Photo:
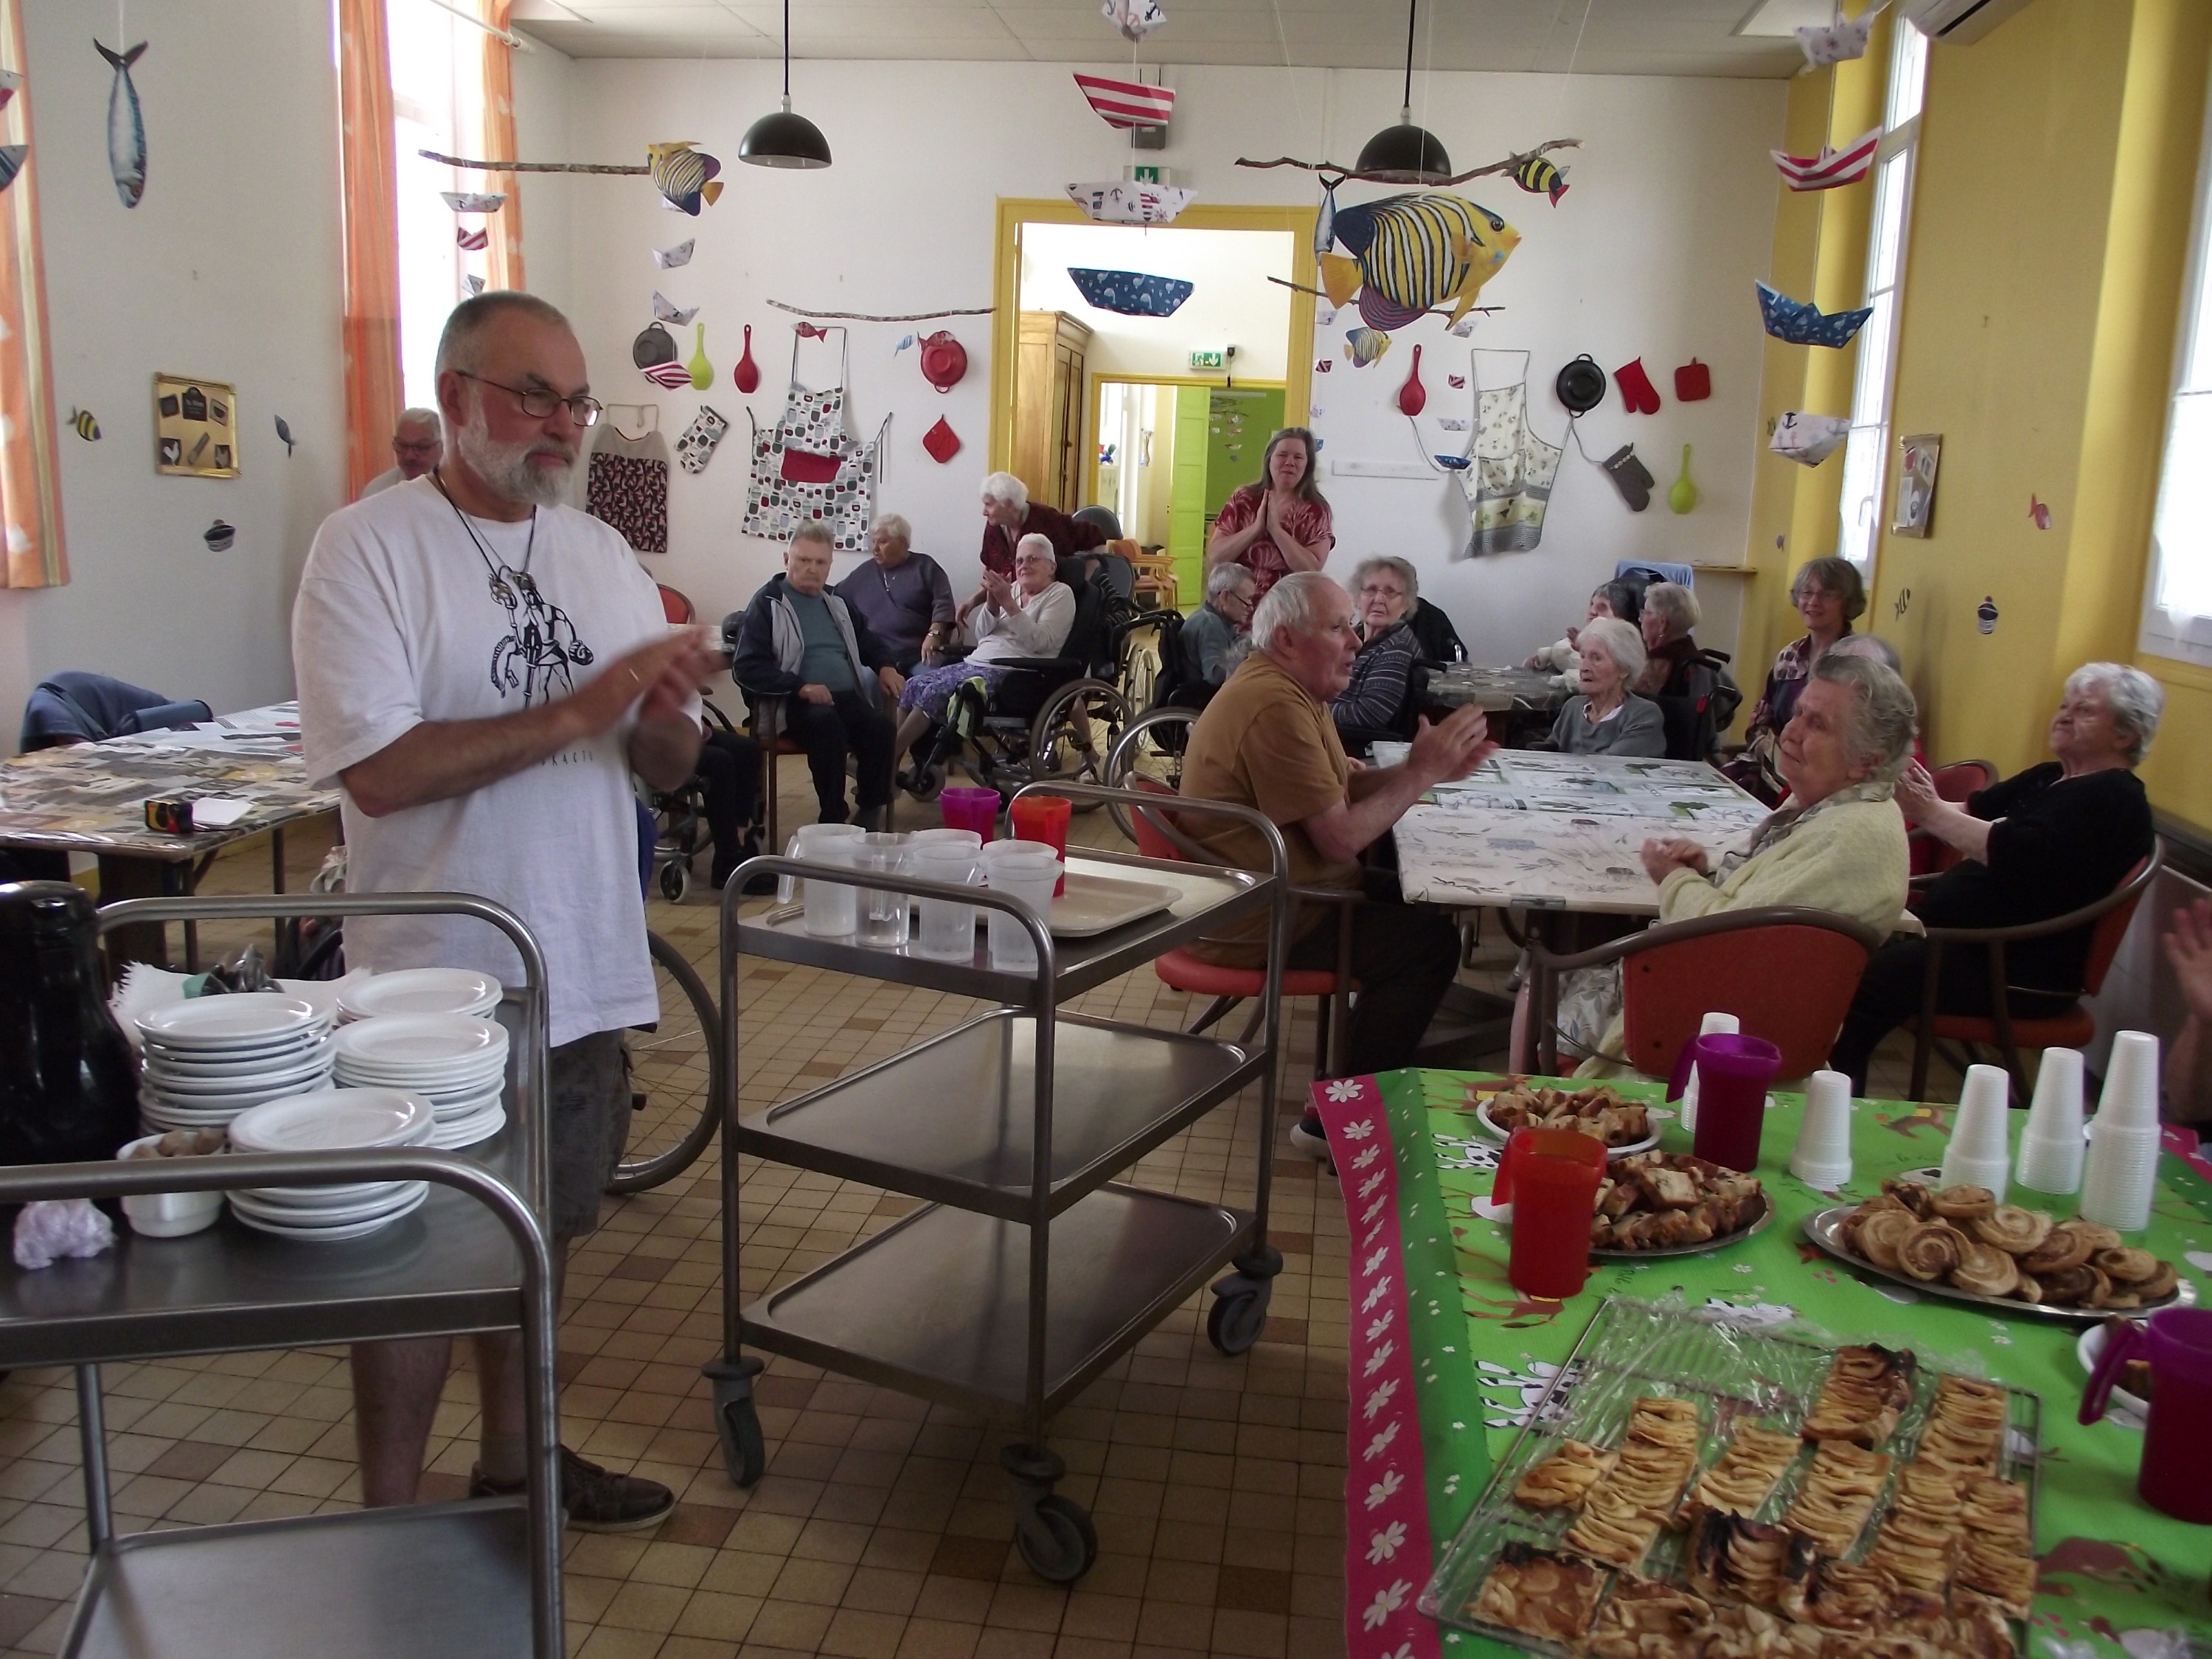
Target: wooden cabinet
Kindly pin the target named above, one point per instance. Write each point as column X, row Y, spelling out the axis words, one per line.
column 1051, row 403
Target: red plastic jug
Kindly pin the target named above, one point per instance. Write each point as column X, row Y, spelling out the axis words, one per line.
column 1734, row 1074
column 2175, row 1478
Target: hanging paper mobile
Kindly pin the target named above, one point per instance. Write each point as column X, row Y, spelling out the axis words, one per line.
column 1407, row 253
column 746, row 376
column 1832, row 167
column 476, row 285
column 1134, row 19
column 1412, row 397
column 284, row 437
column 942, row 442
column 668, row 259
column 684, row 175
column 1840, row 39
column 1809, row 440
column 1365, row 345
column 12, row 157
column 1126, row 104
column 1802, row 323
column 472, row 241
column 1131, row 293
column 1539, row 177
column 701, row 371
column 464, row 201
column 126, row 127
column 82, row 422
column 665, row 313
column 1117, row 202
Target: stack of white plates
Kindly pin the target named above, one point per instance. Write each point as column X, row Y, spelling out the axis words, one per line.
column 331, row 1120
column 456, row 1062
column 209, row 1058
column 420, row 991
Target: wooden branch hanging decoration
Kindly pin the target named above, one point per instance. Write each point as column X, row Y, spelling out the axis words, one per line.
column 1319, row 294
column 872, row 317
column 532, row 167
column 1342, row 173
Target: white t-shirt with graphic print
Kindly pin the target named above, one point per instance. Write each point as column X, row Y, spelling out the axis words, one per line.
column 399, row 620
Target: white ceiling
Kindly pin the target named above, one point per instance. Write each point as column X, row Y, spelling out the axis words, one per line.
column 1596, row 37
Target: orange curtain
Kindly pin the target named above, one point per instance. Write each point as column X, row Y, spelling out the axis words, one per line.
column 370, row 203
column 30, row 490
column 504, row 253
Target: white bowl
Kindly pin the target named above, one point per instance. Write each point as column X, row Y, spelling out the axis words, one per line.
column 169, row 1215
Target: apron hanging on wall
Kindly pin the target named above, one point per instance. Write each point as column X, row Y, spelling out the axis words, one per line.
column 1508, row 486
column 808, row 469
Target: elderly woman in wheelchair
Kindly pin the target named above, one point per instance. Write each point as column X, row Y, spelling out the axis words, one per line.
column 1027, row 617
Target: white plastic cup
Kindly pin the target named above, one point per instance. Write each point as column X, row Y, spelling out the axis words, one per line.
column 1030, row 879
column 831, row 909
column 2122, row 1173
column 2130, row 1098
column 1979, row 1153
column 2050, row 1145
column 882, row 916
column 1822, row 1160
column 1711, row 1026
column 945, row 931
column 786, row 887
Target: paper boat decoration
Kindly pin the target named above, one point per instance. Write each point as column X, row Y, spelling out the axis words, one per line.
column 1809, row 440
column 1131, row 293
column 462, row 200
column 1800, row 323
column 12, row 157
column 668, row 259
column 1125, row 104
column 1832, row 167
column 1117, row 202
column 665, row 313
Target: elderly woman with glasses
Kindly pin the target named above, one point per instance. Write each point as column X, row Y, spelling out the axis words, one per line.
column 1029, row 617
column 1606, row 718
column 1385, row 591
column 1829, row 595
column 2054, row 838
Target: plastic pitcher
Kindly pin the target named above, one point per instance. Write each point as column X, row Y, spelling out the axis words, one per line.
column 1734, row 1074
column 965, row 808
column 1551, row 1177
column 2175, row 1478
column 1043, row 818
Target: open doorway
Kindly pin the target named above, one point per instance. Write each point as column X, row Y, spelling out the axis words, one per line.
column 1168, row 453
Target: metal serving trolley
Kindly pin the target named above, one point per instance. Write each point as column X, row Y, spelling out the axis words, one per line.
column 1011, row 1125
column 455, row 1581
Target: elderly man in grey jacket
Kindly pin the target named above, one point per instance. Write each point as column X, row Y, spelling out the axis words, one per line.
column 799, row 642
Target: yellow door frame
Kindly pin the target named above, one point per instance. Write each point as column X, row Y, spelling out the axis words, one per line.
column 1015, row 211
column 1212, row 382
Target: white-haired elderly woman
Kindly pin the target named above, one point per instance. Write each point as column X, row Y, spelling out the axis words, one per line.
column 1377, row 704
column 904, row 596
column 1605, row 717
column 1835, row 843
column 1009, row 514
column 1028, row 617
column 2045, row 841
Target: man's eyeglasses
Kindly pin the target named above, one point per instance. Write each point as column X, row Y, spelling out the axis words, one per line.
column 539, row 403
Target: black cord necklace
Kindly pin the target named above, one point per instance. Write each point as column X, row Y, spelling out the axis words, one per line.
column 500, row 591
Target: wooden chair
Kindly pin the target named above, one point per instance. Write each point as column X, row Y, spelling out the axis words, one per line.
column 1158, row 836
column 2072, row 1028
column 1787, row 973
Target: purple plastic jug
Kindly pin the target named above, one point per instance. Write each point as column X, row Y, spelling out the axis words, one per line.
column 1734, row 1074
column 2175, row 1478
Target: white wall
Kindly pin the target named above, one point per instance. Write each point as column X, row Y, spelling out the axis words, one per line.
column 1653, row 251
column 1231, row 301
column 228, row 268
column 544, row 85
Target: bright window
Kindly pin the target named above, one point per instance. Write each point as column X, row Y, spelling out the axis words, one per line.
column 2178, row 598
column 1866, row 453
column 437, row 103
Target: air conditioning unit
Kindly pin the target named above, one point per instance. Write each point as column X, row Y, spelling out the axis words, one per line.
column 1957, row 22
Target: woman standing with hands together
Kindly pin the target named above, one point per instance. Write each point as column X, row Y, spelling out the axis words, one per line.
column 1279, row 523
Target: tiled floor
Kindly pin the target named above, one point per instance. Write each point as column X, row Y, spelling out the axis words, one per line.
column 881, row 1530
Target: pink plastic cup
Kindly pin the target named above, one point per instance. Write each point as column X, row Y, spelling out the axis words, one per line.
column 972, row 809
column 1734, row 1074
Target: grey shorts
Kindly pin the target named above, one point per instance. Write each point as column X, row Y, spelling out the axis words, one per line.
column 587, row 1098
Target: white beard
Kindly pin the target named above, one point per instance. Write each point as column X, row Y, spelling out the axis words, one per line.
column 506, row 469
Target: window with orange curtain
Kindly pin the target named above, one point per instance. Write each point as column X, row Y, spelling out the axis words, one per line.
column 369, row 217
column 30, row 490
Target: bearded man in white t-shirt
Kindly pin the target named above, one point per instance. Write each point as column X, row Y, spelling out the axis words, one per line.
column 482, row 669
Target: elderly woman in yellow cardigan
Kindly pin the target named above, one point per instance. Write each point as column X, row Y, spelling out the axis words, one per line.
column 1837, row 843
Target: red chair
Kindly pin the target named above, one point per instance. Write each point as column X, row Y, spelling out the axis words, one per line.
column 676, row 606
column 1158, row 837
column 1954, row 782
column 1786, row 972
column 2073, row 1028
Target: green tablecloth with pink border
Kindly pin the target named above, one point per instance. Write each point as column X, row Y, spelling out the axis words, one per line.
column 1446, row 1359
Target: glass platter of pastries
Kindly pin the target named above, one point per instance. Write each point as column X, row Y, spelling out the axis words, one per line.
column 1625, row 1126
column 1958, row 1243
column 1693, row 1485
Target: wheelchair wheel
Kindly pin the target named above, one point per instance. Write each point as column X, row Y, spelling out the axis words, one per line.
column 1074, row 732
column 1151, row 746
column 675, row 1076
column 1140, row 667
column 675, row 880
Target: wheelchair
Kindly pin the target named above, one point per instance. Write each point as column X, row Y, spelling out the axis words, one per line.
column 679, row 822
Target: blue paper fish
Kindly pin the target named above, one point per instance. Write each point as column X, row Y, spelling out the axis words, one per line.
column 1365, row 345
column 1413, row 252
column 1131, row 292
column 12, row 157
column 1539, row 177
column 683, row 175
column 1800, row 323
column 126, row 127
column 284, row 434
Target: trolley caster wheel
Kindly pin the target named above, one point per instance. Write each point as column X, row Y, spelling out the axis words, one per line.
column 1239, row 1313
column 675, row 881
column 1056, row 1538
column 737, row 1419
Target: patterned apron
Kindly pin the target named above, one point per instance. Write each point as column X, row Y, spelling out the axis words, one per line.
column 1508, row 486
column 808, row 469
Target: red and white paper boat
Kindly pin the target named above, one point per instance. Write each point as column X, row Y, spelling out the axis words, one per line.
column 1831, row 167
column 1128, row 103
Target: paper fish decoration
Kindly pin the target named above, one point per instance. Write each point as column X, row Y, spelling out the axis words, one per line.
column 1125, row 104
column 126, row 126
column 284, row 437
column 1800, row 323
column 1809, row 440
column 1117, row 201
column 85, row 427
column 809, row 330
column 2039, row 512
column 1365, row 345
column 12, row 157
column 684, row 175
column 472, row 201
column 1133, row 20
column 1832, row 167
column 1838, row 42
column 672, row 375
column 1131, row 293
column 668, row 259
column 701, row 371
column 9, row 80
column 219, row 536
column 746, row 376
column 1413, row 252
column 906, row 343
column 1903, row 602
column 1539, row 177
column 665, row 313
column 472, row 241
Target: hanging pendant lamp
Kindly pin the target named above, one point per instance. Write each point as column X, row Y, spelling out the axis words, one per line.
column 784, row 139
column 1405, row 153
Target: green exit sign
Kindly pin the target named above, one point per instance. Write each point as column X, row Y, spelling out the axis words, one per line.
column 1148, row 172
column 1205, row 360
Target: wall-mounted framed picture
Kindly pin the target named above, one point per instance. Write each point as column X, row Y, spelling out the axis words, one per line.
column 1917, row 460
column 195, row 428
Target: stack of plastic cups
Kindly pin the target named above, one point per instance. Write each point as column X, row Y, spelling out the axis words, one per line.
column 1978, row 1154
column 2051, row 1146
column 1822, row 1158
column 1711, row 1025
column 831, row 911
column 944, row 932
column 2123, row 1167
column 1023, row 870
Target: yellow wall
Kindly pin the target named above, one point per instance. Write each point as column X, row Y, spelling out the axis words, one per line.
column 2051, row 217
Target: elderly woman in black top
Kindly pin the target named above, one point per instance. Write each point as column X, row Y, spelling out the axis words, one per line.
column 2051, row 839
column 1375, row 704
